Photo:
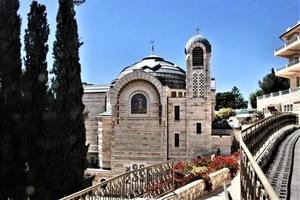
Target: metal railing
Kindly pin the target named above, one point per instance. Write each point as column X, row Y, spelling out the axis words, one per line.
column 152, row 181
column 254, row 183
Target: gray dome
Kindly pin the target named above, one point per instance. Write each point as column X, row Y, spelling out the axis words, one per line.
column 195, row 39
column 168, row 73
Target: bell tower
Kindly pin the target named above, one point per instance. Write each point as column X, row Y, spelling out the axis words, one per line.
column 198, row 99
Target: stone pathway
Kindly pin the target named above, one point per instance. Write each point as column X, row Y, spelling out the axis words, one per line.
column 295, row 182
column 279, row 171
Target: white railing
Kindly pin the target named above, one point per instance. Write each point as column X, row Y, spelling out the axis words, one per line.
column 280, row 93
column 288, row 42
column 291, row 63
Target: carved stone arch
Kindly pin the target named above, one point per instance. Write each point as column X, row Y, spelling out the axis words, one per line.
column 197, row 44
column 136, row 75
column 206, row 57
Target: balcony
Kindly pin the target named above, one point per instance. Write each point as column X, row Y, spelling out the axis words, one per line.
column 289, row 70
column 291, row 47
column 279, row 100
column 290, row 91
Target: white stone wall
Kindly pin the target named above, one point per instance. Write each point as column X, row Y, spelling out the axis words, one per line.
column 223, row 142
column 177, row 153
column 293, row 82
column 137, row 139
column 104, row 141
column 292, row 98
column 199, row 109
column 141, row 139
column 94, row 105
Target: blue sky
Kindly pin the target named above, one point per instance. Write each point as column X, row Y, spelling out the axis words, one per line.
column 117, row 33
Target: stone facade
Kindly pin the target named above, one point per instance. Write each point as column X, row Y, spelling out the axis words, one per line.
column 155, row 111
column 94, row 99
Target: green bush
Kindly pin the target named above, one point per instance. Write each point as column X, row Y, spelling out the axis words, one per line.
column 224, row 113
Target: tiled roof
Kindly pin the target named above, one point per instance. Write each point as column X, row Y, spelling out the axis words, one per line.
column 167, row 72
column 91, row 88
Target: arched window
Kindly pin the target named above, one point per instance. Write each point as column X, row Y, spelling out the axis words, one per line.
column 138, row 104
column 197, row 56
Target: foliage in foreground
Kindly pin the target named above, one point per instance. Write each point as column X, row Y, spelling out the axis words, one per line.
column 224, row 113
column 68, row 136
column 12, row 181
column 36, row 103
column 187, row 172
column 232, row 99
column 269, row 84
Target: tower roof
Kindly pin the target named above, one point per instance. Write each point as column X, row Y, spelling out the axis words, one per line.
column 195, row 39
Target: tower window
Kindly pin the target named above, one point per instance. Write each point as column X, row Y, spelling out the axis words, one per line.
column 176, row 140
column 179, row 94
column 198, row 57
column 198, row 128
column 173, row 94
column 176, row 113
column 298, row 81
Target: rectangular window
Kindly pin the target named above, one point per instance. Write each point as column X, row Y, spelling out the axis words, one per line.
column 298, row 81
column 176, row 140
column 173, row 94
column 288, row 107
column 176, row 113
column 198, row 128
column 179, row 94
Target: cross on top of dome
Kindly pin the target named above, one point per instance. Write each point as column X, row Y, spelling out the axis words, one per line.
column 152, row 47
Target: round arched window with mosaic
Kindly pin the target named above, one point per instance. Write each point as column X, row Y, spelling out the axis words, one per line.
column 138, row 104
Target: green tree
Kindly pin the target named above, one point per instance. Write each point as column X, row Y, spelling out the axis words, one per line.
column 253, row 97
column 12, row 176
column 224, row 100
column 239, row 99
column 70, row 149
column 232, row 99
column 36, row 103
column 271, row 83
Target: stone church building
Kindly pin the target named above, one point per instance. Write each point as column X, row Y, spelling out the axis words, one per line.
column 153, row 111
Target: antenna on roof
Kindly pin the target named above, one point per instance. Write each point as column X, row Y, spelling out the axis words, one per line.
column 197, row 30
column 152, row 47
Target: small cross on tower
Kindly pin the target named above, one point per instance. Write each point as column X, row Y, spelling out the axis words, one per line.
column 152, row 46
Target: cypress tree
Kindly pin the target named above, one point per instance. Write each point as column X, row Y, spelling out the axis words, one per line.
column 12, row 164
column 36, row 103
column 69, row 136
